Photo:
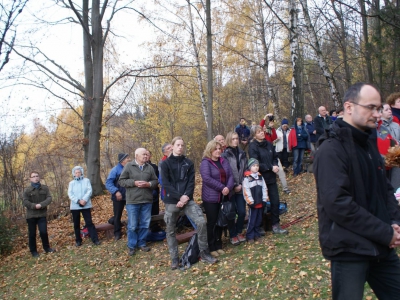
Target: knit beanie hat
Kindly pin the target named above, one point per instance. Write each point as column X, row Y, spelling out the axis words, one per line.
column 285, row 121
column 252, row 161
column 122, row 156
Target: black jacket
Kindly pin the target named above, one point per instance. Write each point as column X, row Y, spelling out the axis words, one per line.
column 265, row 153
column 321, row 124
column 352, row 224
column 177, row 176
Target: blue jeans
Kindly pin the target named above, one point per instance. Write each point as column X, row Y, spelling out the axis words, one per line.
column 382, row 275
column 139, row 216
column 240, row 210
column 297, row 160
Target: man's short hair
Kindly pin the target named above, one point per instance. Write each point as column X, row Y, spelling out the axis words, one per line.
column 34, row 172
column 243, row 118
column 353, row 92
column 164, row 146
column 391, row 99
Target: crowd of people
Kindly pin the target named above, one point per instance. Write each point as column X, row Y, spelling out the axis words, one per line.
column 359, row 217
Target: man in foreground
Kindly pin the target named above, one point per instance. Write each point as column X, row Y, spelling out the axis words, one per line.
column 357, row 213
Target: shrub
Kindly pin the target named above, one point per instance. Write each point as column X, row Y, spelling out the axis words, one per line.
column 8, row 233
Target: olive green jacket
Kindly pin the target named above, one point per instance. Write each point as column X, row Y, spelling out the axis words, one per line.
column 34, row 196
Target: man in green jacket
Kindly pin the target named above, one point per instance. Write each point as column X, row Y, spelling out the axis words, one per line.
column 139, row 179
column 36, row 199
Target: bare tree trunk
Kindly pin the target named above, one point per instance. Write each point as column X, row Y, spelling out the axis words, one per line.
column 378, row 40
column 209, row 71
column 321, row 60
column 343, row 43
column 198, row 68
column 294, row 54
column 366, row 42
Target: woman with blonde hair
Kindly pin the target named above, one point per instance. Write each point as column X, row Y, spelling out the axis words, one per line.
column 218, row 183
column 237, row 159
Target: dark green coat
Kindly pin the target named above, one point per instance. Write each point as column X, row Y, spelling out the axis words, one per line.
column 34, row 196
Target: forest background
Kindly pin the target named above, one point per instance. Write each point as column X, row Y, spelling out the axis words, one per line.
column 195, row 76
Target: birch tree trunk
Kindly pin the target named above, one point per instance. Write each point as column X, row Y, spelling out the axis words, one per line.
column 367, row 44
column 209, row 72
column 198, row 68
column 321, row 60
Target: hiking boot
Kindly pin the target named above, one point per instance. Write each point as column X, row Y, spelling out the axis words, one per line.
column 78, row 244
column 221, row 252
column 241, row 238
column 235, row 241
column 276, row 229
column 145, row 248
column 131, row 251
column 35, row 254
column 287, row 191
column 175, row 264
column 117, row 237
column 261, row 231
column 50, row 250
column 206, row 257
column 97, row 243
column 250, row 241
column 214, row 253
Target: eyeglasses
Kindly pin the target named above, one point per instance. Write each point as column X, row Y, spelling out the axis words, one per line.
column 371, row 108
column 34, row 176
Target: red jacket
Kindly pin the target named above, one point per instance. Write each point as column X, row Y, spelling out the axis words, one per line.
column 292, row 140
column 269, row 137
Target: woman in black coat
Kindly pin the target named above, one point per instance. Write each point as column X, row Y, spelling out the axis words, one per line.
column 264, row 152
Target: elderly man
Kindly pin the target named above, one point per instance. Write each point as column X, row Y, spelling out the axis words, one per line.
column 220, row 139
column 139, row 179
column 36, row 199
column 117, row 192
column 358, row 216
column 321, row 122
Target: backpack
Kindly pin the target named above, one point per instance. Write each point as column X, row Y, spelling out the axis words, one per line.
column 191, row 254
column 156, row 236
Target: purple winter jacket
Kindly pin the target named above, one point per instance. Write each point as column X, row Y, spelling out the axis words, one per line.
column 212, row 186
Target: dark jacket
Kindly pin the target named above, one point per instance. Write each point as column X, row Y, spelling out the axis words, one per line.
column 234, row 162
column 243, row 132
column 132, row 173
column 211, row 176
column 352, row 223
column 34, row 196
column 177, row 175
column 265, row 153
column 321, row 124
column 303, row 139
column 310, row 129
column 112, row 184
column 156, row 191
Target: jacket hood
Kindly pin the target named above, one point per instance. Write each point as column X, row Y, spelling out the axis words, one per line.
column 77, row 168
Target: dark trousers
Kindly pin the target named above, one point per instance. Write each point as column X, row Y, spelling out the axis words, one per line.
column 273, row 195
column 87, row 216
column 41, row 223
column 214, row 232
column 155, row 209
column 383, row 276
column 240, row 210
column 255, row 221
column 118, row 207
column 284, row 157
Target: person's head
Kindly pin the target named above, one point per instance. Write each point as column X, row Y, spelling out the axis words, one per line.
column 220, row 139
column 362, row 106
column 213, row 150
column 34, row 177
column 394, row 100
column 333, row 113
column 178, row 146
column 299, row 121
column 386, row 112
column 253, row 165
column 123, row 158
column 141, row 156
column 166, row 149
column 242, row 121
column 340, row 112
column 232, row 139
column 148, row 155
column 77, row 172
column 285, row 124
column 322, row 111
column 308, row 118
column 257, row 133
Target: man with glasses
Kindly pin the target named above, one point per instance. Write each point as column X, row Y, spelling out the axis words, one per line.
column 358, row 215
column 36, row 199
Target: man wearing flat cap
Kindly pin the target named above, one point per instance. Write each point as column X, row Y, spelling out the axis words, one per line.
column 117, row 192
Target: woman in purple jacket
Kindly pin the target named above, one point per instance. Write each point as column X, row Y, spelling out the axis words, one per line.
column 218, row 182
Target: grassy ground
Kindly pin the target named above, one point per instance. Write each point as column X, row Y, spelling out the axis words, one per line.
column 277, row 267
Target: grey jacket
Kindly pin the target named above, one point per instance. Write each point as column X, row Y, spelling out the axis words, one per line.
column 393, row 127
column 132, row 173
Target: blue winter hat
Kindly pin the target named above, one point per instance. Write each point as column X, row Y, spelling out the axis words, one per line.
column 285, row 121
column 252, row 161
column 122, row 156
